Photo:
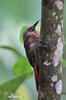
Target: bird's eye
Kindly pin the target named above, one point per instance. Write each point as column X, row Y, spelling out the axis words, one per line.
column 29, row 30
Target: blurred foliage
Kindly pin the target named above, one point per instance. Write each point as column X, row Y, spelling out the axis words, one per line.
column 21, row 10
column 21, row 33
column 23, row 91
column 22, row 66
column 10, row 87
column 11, row 49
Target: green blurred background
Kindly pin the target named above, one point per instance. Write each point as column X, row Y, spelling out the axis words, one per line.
column 14, row 14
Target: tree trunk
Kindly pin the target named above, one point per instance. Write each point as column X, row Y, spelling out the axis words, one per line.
column 51, row 49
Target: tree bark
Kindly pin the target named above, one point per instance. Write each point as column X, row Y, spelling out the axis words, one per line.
column 51, row 49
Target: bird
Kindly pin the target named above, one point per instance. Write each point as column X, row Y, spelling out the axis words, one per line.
column 31, row 39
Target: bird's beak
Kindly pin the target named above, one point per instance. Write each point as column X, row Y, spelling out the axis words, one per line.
column 35, row 24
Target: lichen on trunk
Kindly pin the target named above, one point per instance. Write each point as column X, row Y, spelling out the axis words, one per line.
column 51, row 50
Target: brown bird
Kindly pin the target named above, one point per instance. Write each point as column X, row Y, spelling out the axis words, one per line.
column 31, row 44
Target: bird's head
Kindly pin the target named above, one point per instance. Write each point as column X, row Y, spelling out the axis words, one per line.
column 32, row 28
column 29, row 32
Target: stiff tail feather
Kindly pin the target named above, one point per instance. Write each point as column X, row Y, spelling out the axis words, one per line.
column 36, row 77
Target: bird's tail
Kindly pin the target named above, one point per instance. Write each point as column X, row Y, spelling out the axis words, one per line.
column 36, row 77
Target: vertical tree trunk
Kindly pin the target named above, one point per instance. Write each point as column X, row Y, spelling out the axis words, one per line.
column 51, row 49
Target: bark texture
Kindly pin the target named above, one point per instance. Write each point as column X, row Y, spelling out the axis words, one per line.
column 51, row 49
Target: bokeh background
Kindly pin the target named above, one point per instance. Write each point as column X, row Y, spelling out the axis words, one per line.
column 14, row 15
